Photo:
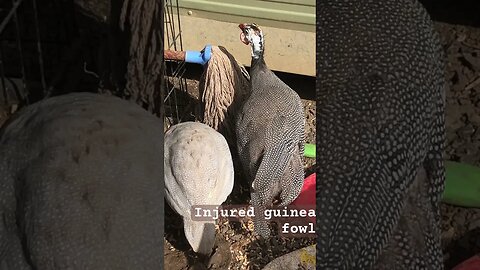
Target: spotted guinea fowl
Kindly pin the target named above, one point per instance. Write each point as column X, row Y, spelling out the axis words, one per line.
column 198, row 172
column 270, row 134
column 81, row 186
column 380, row 139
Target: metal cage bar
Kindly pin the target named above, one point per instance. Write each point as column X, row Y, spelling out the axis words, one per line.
column 174, row 74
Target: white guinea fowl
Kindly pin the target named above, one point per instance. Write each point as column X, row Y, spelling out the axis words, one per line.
column 198, row 171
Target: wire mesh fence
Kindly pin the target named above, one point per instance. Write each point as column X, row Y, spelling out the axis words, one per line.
column 175, row 81
column 49, row 48
column 31, row 37
column 12, row 69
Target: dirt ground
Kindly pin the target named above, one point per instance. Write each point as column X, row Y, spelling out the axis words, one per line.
column 461, row 226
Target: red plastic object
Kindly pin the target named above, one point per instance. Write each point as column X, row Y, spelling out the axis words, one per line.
column 307, row 194
column 471, row 264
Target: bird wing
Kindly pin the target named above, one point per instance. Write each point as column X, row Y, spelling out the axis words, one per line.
column 279, row 147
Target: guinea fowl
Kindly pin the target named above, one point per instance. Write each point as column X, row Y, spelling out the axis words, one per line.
column 270, row 135
column 198, row 171
column 80, row 185
column 380, row 139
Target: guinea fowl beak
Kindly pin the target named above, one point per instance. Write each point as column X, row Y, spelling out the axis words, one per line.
column 241, row 26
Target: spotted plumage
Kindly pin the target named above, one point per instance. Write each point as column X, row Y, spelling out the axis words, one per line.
column 81, row 186
column 198, row 172
column 380, row 137
column 270, row 134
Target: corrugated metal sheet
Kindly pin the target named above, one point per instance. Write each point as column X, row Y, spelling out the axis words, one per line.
column 294, row 2
column 291, row 11
column 289, row 26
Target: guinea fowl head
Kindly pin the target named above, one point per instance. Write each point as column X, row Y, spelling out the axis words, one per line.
column 252, row 35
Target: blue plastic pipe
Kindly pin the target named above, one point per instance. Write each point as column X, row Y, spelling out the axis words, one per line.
column 197, row 57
